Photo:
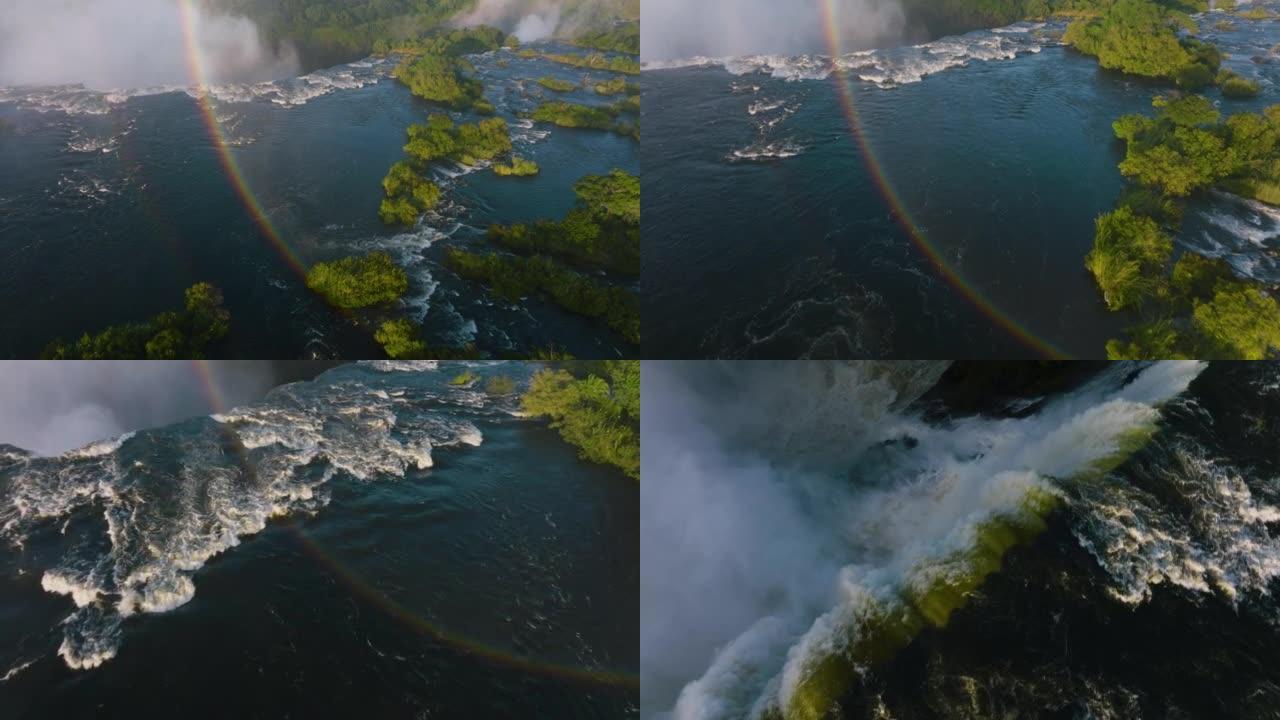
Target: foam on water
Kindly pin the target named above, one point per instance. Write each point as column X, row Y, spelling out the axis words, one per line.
column 926, row 512
column 143, row 513
column 1245, row 233
column 888, row 67
column 290, row 92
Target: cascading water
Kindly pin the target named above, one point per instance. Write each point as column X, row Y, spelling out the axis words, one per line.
column 804, row 545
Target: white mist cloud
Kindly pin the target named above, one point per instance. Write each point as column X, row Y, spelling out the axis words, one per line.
column 783, row 501
column 740, row 523
column 722, row 28
column 529, row 20
column 51, row 407
column 116, row 44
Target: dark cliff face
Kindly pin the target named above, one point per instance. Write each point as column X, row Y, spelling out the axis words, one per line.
column 1001, row 388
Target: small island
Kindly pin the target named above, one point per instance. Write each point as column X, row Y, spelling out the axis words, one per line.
column 359, row 281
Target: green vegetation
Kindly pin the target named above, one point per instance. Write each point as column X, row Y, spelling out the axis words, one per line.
column 359, row 281
column 400, row 340
column 1234, row 86
column 1140, row 37
column 182, row 335
column 437, row 72
column 1195, row 307
column 616, row 86
column 595, row 61
column 331, row 31
column 513, row 278
column 1127, row 253
column 468, row 144
column 408, row 195
column 518, row 167
column 440, row 79
column 408, row 192
column 573, row 115
column 602, row 230
column 621, row 38
column 464, row 378
column 500, row 385
column 557, row 84
column 595, row 407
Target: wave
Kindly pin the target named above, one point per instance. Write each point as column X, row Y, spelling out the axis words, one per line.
column 888, row 67
column 289, row 92
column 1244, row 233
column 921, row 515
column 140, row 515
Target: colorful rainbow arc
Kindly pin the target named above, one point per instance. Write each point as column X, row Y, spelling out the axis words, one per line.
column 917, row 234
column 200, row 81
column 490, row 654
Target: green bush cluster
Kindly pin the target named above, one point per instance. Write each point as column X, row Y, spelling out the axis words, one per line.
column 602, row 230
column 181, row 335
column 499, row 385
column 1195, row 307
column 518, row 167
column 616, row 86
column 359, row 281
column 408, row 195
column 594, row 61
column 400, row 339
column 621, row 38
column 1140, row 37
column 441, row 139
column 408, row 192
column 513, row 278
column 596, row 409
column 556, row 84
column 464, row 378
column 573, row 115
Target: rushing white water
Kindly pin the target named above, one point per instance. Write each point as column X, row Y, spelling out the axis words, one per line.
column 888, row 67
column 288, row 92
column 776, row 534
column 143, row 513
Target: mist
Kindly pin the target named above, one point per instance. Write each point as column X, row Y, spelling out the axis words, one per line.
column 675, row 29
column 124, row 44
column 785, row 503
column 533, row 20
column 51, row 407
column 740, row 522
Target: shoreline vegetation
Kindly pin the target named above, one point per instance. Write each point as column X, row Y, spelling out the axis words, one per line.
column 332, row 32
column 174, row 335
column 1189, row 305
column 595, row 406
column 601, row 232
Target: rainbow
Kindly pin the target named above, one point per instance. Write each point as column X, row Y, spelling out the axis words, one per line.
column 200, row 82
column 880, row 177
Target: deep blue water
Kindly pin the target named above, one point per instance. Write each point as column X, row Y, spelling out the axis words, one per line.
column 502, row 578
column 767, row 234
column 109, row 209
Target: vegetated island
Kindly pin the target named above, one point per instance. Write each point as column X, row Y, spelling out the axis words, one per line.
column 1194, row 307
column 595, row 406
column 602, row 231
